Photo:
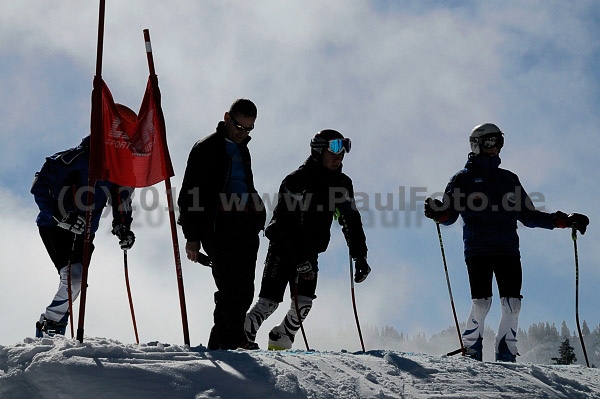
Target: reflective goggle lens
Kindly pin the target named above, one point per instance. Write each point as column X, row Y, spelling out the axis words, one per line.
column 338, row 145
column 491, row 141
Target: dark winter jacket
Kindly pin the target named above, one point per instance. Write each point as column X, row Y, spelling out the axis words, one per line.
column 308, row 200
column 67, row 170
column 204, row 183
column 490, row 200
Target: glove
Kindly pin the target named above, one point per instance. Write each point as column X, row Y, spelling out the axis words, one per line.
column 305, row 270
column 126, row 236
column 73, row 222
column 433, row 210
column 362, row 270
column 576, row 221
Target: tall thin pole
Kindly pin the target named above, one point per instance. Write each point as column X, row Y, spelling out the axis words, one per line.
column 362, row 343
column 96, row 126
column 298, row 313
column 574, row 237
column 462, row 348
column 176, row 253
column 125, row 267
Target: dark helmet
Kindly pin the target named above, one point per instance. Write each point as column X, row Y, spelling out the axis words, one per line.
column 127, row 113
column 322, row 140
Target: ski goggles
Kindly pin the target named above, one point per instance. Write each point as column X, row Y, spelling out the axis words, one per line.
column 337, row 146
column 492, row 140
column 241, row 127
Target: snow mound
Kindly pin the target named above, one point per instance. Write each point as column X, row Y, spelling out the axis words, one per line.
column 103, row 368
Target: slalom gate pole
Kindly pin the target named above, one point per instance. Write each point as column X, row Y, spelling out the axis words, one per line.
column 176, row 253
column 96, row 126
column 298, row 313
column 462, row 347
column 574, row 237
column 362, row 343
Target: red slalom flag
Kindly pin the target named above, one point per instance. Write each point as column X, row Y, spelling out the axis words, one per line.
column 131, row 152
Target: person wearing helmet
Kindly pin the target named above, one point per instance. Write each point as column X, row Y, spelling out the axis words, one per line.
column 309, row 199
column 60, row 191
column 221, row 211
column 490, row 200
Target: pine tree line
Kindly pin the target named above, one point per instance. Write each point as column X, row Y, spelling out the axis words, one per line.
column 539, row 344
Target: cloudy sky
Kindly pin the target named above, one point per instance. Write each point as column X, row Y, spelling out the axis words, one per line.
column 406, row 80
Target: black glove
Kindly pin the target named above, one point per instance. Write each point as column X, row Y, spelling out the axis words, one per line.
column 73, row 222
column 433, row 210
column 126, row 236
column 576, row 221
column 305, row 270
column 362, row 270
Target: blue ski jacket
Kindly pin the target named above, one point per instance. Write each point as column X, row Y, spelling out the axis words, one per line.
column 490, row 200
column 62, row 184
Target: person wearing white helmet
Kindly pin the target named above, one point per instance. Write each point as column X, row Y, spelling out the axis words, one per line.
column 490, row 201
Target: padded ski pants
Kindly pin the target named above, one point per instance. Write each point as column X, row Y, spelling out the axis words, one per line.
column 63, row 247
column 58, row 310
column 261, row 310
column 506, row 339
column 473, row 335
column 290, row 325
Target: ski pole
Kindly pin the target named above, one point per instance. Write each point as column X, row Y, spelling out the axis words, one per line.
column 137, row 340
column 574, row 237
column 298, row 312
column 125, row 267
column 462, row 348
column 362, row 343
column 70, row 294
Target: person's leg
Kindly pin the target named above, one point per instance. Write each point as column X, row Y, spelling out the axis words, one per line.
column 66, row 251
column 480, row 281
column 282, row 336
column 234, row 263
column 272, row 287
column 509, row 278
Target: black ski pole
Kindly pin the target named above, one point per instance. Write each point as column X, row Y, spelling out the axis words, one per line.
column 362, row 344
column 574, row 237
column 298, row 313
column 462, row 348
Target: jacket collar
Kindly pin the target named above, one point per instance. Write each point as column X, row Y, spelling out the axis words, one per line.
column 482, row 162
column 221, row 132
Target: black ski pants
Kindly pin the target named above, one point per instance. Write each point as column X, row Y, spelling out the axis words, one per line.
column 506, row 268
column 233, row 251
column 280, row 271
column 63, row 246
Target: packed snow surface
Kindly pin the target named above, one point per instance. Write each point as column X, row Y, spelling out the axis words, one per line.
column 102, row 368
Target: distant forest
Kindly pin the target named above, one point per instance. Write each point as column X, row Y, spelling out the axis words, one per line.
column 538, row 344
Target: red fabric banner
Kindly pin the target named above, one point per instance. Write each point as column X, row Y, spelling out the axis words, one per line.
column 131, row 151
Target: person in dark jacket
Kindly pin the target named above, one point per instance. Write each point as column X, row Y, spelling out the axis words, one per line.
column 309, row 199
column 490, row 200
column 221, row 211
column 60, row 190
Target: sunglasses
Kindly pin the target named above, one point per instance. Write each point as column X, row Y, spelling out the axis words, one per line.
column 492, row 140
column 338, row 146
column 241, row 127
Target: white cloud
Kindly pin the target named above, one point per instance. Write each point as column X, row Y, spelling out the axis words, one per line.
column 406, row 85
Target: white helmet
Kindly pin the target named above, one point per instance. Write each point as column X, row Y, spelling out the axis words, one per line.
column 483, row 130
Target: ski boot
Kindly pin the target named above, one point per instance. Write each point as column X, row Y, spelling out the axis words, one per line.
column 475, row 351
column 46, row 327
column 279, row 340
